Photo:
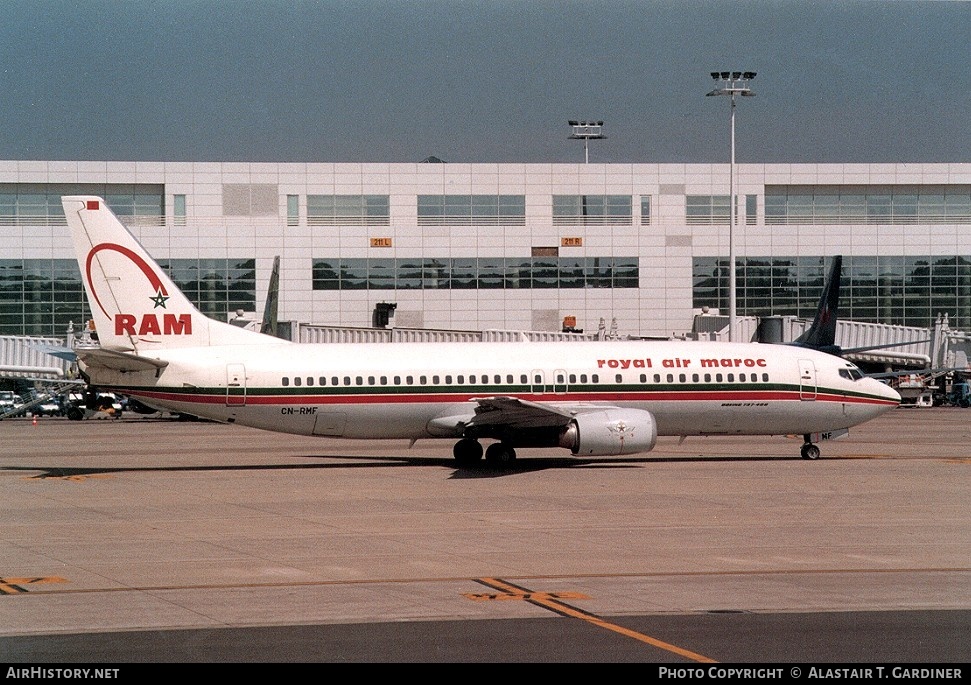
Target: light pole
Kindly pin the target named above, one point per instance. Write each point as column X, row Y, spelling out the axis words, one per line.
column 587, row 130
column 732, row 83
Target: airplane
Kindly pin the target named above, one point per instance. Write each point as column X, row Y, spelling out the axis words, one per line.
column 594, row 398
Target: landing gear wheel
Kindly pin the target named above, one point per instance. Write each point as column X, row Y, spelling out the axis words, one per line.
column 467, row 452
column 500, row 454
column 809, row 451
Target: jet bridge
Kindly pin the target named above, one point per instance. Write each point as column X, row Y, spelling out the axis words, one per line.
column 27, row 358
column 891, row 347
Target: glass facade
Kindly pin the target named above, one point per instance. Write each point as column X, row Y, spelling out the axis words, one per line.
column 645, row 210
column 39, row 204
column 904, row 291
column 789, row 205
column 471, row 273
column 707, row 210
column 42, row 296
column 751, row 210
column 471, row 210
column 345, row 210
column 293, row 210
column 179, row 209
column 592, row 210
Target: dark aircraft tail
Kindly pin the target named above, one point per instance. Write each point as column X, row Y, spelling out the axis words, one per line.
column 822, row 333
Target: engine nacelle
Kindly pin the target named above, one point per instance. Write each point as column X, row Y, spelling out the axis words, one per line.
column 610, row 432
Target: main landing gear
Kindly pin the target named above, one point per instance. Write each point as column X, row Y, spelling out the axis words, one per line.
column 468, row 452
column 809, row 450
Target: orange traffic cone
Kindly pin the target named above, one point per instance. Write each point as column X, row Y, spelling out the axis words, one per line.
column 35, row 420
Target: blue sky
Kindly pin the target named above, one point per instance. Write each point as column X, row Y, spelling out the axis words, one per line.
column 397, row 81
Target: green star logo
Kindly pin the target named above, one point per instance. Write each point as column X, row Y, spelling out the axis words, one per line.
column 159, row 300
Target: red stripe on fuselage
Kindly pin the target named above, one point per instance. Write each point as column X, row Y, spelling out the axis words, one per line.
column 451, row 398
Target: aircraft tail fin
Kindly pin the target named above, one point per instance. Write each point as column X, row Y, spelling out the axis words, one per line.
column 136, row 306
column 270, row 311
column 821, row 335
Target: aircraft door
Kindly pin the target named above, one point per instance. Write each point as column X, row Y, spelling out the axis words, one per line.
column 235, row 385
column 807, row 380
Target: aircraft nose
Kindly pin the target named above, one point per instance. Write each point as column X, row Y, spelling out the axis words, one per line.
column 889, row 393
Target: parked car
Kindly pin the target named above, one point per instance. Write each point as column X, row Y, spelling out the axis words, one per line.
column 50, row 407
column 9, row 401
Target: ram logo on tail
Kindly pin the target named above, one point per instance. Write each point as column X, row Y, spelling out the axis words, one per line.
column 136, row 306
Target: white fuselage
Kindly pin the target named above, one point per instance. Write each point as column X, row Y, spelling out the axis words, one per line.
column 404, row 390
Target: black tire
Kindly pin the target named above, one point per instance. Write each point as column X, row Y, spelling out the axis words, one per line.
column 467, row 452
column 500, row 454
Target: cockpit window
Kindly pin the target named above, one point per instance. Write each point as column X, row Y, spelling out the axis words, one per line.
column 852, row 373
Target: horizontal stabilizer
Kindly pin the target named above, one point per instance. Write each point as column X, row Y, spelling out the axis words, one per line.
column 118, row 361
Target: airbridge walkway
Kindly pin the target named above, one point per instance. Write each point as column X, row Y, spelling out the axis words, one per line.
column 899, row 347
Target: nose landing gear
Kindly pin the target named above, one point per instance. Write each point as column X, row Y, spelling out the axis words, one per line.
column 809, row 450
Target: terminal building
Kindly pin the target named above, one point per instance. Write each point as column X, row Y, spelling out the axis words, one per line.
column 476, row 247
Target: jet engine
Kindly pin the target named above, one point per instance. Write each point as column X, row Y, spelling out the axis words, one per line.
column 610, row 432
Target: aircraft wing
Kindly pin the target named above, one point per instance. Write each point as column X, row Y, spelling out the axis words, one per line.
column 516, row 413
column 118, row 361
